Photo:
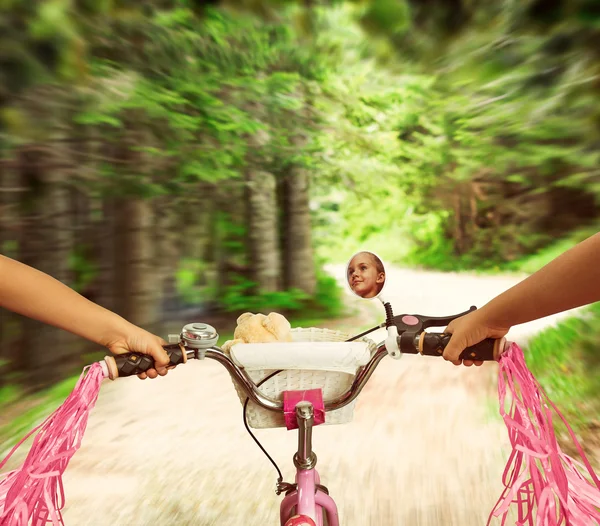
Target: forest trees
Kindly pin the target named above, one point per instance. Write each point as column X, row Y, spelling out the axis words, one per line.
column 501, row 142
column 171, row 138
column 171, row 152
column 497, row 146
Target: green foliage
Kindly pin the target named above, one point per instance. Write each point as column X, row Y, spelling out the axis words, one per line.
column 497, row 135
column 82, row 267
column 327, row 301
column 477, row 151
column 33, row 408
column 203, row 88
column 391, row 17
column 565, row 361
column 478, row 158
column 195, row 281
column 457, row 159
column 537, row 260
column 240, row 296
column 8, row 394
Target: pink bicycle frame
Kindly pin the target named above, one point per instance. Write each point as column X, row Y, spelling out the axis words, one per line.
column 308, row 498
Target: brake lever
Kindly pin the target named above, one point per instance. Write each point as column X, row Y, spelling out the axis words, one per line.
column 418, row 322
column 410, row 325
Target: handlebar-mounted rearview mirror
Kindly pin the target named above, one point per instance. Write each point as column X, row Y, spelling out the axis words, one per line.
column 365, row 274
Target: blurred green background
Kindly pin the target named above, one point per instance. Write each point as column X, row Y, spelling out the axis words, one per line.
column 177, row 159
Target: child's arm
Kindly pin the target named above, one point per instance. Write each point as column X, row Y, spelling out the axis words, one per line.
column 34, row 294
column 571, row 280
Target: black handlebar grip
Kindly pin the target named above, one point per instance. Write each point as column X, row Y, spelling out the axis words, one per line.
column 130, row 364
column 433, row 344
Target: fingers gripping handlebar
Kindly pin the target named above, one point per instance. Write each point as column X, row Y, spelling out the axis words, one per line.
column 131, row 364
column 196, row 339
column 413, row 340
column 433, row 344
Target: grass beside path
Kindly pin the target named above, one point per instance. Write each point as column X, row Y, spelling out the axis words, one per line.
column 565, row 359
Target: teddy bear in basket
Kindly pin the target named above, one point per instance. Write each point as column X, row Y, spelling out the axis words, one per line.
column 258, row 328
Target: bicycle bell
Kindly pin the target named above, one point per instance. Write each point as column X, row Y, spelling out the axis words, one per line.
column 199, row 335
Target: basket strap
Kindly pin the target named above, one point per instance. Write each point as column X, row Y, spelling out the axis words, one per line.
column 292, row 398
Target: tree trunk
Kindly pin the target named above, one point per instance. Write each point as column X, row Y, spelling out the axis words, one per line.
column 10, row 195
column 459, row 237
column 134, row 276
column 262, row 234
column 297, row 244
column 167, row 254
column 80, row 217
column 46, row 244
column 104, row 243
column 11, row 191
column 102, row 224
column 136, row 299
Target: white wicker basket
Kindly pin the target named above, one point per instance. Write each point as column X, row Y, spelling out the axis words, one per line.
column 333, row 380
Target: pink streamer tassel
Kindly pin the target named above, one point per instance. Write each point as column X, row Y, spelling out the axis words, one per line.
column 33, row 493
column 548, row 487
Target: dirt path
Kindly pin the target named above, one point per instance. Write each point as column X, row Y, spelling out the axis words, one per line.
column 424, row 448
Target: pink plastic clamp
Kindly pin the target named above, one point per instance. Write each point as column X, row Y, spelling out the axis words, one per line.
column 292, row 398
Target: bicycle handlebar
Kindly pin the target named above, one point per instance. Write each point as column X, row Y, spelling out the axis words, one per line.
column 130, row 364
column 134, row 363
column 429, row 344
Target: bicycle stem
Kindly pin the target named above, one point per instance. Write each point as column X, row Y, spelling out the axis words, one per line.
column 305, row 458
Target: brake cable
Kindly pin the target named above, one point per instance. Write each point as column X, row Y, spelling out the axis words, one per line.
column 389, row 320
column 366, row 332
column 280, row 476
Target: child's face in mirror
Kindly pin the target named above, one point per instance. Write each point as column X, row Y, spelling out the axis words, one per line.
column 363, row 277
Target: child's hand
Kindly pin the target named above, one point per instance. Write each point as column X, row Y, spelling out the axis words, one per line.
column 141, row 341
column 469, row 330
